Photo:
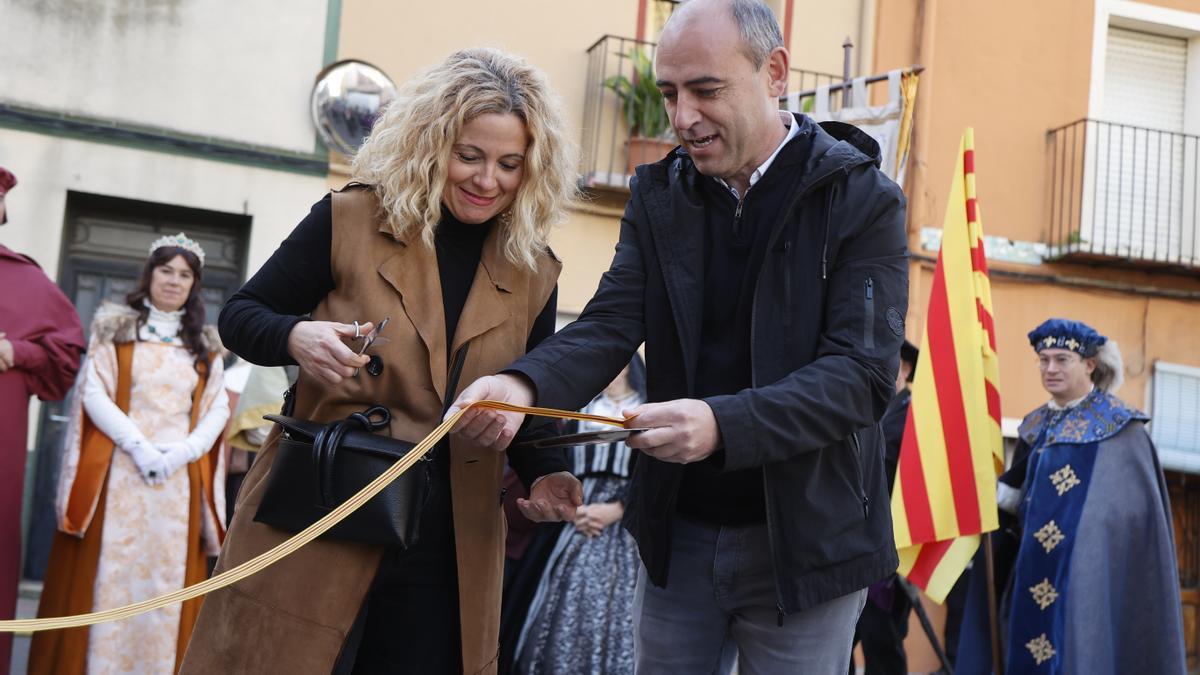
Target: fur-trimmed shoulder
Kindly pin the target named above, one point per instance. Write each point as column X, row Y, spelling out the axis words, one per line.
column 114, row 323
column 211, row 339
column 118, row 324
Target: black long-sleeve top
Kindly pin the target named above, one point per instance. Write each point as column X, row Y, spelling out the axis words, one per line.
column 256, row 321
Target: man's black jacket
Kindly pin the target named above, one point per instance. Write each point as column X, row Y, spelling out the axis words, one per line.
column 827, row 324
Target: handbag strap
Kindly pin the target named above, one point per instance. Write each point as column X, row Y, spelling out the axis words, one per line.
column 327, row 440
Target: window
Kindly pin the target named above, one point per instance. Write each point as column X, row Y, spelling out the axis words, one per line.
column 1175, row 423
column 1141, row 146
column 1140, row 188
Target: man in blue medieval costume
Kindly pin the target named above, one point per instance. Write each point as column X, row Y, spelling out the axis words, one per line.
column 1093, row 587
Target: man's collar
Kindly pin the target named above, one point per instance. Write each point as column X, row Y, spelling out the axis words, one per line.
column 1070, row 404
column 793, row 128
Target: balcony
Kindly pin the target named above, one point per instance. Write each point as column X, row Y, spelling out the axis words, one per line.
column 1124, row 194
column 610, row 150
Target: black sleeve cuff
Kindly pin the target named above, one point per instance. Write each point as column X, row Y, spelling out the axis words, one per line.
column 531, row 465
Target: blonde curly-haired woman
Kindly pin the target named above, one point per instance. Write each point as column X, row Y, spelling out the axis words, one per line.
column 444, row 232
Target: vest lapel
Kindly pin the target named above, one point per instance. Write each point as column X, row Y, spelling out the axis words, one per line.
column 413, row 273
column 489, row 303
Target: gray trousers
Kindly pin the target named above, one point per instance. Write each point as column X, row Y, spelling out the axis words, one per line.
column 720, row 603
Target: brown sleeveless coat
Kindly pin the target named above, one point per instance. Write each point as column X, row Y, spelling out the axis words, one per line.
column 294, row 616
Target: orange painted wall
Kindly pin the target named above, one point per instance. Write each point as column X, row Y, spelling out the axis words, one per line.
column 1013, row 71
column 1147, row 329
column 1181, row 5
column 989, row 66
column 1010, row 77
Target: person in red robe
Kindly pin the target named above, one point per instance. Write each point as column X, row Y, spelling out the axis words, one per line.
column 41, row 342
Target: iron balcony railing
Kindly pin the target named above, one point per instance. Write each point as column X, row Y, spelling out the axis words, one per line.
column 609, row 152
column 1120, row 192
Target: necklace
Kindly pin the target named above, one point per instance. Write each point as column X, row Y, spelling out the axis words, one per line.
column 168, row 339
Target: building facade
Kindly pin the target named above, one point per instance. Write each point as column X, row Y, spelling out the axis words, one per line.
column 126, row 121
column 578, row 45
column 1087, row 139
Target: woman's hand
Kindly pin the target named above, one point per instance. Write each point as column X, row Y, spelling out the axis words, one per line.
column 591, row 520
column 553, row 498
column 149, row 460
column 493, row 429
column 317, row 346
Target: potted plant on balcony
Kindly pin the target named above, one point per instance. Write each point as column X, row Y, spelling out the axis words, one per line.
column 644, row 111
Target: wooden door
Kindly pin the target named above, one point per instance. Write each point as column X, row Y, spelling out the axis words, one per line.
column 1184, row 491
column 106, row 241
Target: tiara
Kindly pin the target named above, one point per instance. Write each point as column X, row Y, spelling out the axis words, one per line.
column 179, row 241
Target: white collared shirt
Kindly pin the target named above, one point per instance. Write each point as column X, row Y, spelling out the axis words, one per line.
column 793, row 131
column 1071, row 404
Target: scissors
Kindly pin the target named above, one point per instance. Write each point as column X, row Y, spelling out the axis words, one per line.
column 369, row 339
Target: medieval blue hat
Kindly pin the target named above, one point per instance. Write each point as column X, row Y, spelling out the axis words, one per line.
column 1075, row 336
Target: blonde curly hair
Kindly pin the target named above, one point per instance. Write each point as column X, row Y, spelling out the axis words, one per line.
column 406, row 155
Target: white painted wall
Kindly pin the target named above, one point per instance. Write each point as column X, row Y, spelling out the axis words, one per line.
column 47, row 167
column 232, row 70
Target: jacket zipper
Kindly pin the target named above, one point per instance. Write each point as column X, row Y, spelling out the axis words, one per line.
column 787, row 283
column 858, row 474
column 825, row 235
column 737, row 215
column 868, row 313
column 775, row 231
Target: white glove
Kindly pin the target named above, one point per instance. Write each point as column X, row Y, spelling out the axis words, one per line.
column 150, row 462
column 178, row 454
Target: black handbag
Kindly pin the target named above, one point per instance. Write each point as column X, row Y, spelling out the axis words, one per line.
column 319, row 466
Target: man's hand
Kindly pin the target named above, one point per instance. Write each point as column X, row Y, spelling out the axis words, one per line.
column 591, row 520
column 6, row 354
column 493, row 429
column 317, row 346
column 554, row 498
column 681, row 431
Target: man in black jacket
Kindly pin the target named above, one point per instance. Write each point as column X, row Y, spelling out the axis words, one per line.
column 764, row 265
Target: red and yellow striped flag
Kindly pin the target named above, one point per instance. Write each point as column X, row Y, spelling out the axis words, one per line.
column 945, row 492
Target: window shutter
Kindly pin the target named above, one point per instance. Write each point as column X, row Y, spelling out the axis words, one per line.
column 1175, row 423
column 1145, row 77
column 1139, row 148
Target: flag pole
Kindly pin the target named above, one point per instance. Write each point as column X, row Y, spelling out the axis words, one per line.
column 993, row 615
column 914, row 599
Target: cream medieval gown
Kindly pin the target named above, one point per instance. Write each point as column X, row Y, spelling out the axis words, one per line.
column 145, row 527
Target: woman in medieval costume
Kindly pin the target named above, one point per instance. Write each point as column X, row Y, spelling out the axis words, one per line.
column 141, row 491
column 444, row 235
column 581, row 617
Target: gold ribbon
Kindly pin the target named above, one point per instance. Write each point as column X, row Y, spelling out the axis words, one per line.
column 286, row 548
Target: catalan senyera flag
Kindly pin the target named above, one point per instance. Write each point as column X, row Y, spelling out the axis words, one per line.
column 945, row 491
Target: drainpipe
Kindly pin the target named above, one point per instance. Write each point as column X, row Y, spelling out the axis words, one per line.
column 865, row 54
column 917, row 188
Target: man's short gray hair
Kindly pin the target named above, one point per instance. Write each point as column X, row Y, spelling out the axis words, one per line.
column 759, row 29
